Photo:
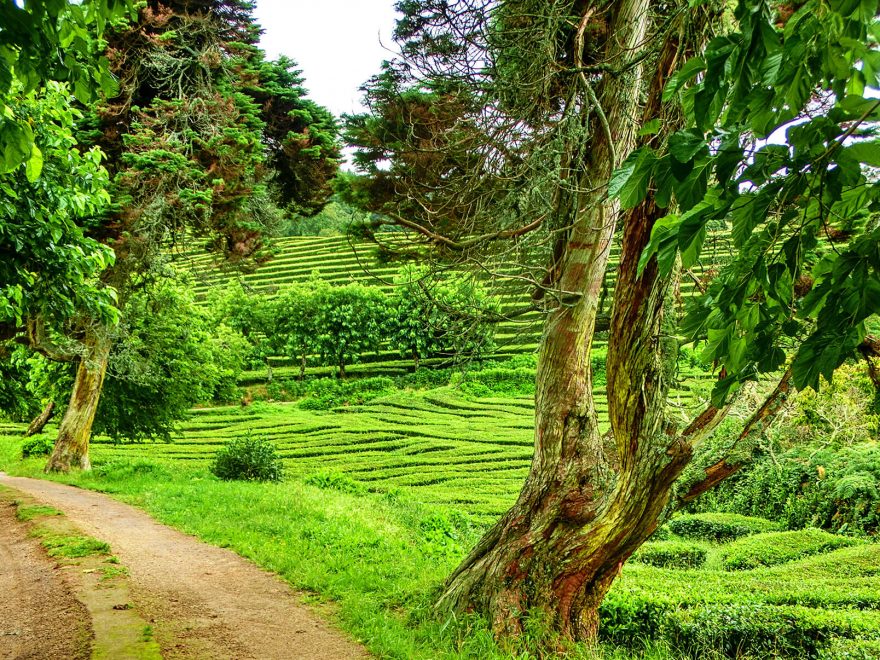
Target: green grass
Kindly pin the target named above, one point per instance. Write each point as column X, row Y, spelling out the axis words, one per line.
column 25, row 512
column 70, row 546
column 382, row 500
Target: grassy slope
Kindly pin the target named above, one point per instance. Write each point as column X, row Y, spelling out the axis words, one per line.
column 440, row 468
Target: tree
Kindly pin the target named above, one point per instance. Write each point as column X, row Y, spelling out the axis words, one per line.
column 192, row 137
column 441, row 314
column 294, row 326
column 352, row 320
column 536, row 135
column 166, row 356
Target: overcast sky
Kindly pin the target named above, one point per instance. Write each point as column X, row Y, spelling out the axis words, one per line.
column 338, row 44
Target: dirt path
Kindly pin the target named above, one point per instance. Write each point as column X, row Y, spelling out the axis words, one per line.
column 203, row 601
column 40, row 617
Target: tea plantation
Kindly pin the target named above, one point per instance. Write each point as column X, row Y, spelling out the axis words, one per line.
column 391, row 477
column 410, row 480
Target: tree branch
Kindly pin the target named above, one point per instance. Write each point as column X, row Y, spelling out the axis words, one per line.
column 38, row 340
column 467, row 243
column 723, row 468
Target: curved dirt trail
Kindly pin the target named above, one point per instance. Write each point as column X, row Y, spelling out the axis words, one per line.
column 40, row 616
column 203, row 601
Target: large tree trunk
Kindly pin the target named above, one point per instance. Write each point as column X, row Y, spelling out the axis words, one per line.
column 72, row 445
column 39, row 422
column 591, row 499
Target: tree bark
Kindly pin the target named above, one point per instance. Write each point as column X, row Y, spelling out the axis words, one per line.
column 591, row 499
column 557, row 551
column 41, row 420
column 72, row 445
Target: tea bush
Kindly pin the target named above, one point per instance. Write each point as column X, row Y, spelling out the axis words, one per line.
column 37, row 445
column 335, row 481
column 718, row 527
column 671, row 554
column 250, row 458
column 779, row 547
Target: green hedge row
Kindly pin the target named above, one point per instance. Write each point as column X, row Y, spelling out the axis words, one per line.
column 739, row 629
column 779, row 547
column 718, row 527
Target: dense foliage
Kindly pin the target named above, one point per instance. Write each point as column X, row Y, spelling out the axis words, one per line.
column 339, row 325
column 779, row 146
column 250, row 458
column 48, row 265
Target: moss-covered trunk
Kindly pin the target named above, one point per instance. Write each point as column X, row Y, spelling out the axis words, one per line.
column 591, row 498
column 72, row 445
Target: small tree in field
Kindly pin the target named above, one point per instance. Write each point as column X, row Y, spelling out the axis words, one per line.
column 527, row 138
column 352, row 320
column 293, row 322
column 441, row 314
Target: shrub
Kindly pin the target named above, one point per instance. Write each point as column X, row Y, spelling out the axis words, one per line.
column 779, row 547
column 737, row 629
column 327, row 393
column 671, row 554
column 718, row 527
column 443, row 534
column 762, row 631
column 250, row 458
column 825, row 468
column 832, row 489
column 37, row 445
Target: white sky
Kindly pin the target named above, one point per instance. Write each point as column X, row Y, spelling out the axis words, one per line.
column 338, row 44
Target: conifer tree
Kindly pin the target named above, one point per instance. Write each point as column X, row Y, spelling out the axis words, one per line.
column 205, row 140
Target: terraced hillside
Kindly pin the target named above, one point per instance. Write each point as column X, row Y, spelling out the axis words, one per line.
column 339, row 260
column 441, row 448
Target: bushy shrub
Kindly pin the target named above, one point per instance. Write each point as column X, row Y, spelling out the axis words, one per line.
column 832, row 489
column 443, row 534
column 762, row 631
column 250, row 458
column 37, row 445
column 824, row 469
column 326, row 393
column 630, row 621
column 779, row 547
column 718, row 527
column 423, row 378
column 671, row 554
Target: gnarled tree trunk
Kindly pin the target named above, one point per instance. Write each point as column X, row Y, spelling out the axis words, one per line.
column 591, row 499
column 72, row 445
column 39, row 422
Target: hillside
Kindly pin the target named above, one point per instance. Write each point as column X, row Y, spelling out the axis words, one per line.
column 339, row 260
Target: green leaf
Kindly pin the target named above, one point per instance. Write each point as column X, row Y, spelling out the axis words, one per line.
column 690, row 69
column 663, row 243
column 650, row 127
column 684, row 145
column 34, row 165
column 630, row 181
column 867, row 152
